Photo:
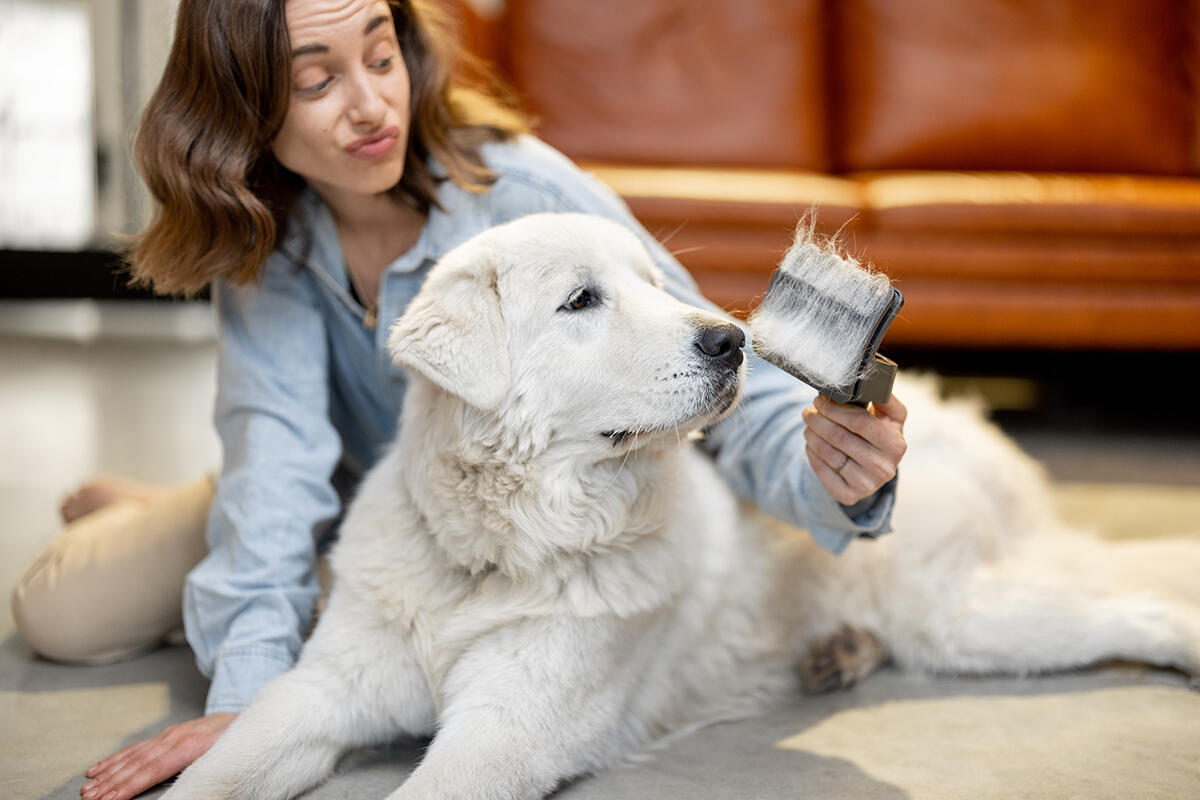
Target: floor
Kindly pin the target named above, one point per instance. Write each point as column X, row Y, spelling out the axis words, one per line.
column 133, row 399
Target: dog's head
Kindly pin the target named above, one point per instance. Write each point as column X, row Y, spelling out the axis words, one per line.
column 561, row 320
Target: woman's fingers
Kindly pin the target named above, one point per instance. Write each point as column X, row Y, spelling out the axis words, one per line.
column 135, row 769
column 881, row 426
column 132, row 774
column 142, row 767
column 854, row 451
column 837, row 486
column 105, row 764
column 834, row 463
column 893, row 410
column 109, row 766
column 823, row 432
column 846, row 479
column 139, row 773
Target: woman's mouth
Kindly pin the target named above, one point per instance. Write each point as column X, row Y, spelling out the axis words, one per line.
column 374, row 145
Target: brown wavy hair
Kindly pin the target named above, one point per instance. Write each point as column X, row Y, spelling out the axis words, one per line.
column 222, row 200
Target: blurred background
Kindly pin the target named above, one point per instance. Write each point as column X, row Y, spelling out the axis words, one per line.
column 1026, row 171
column 94, row 377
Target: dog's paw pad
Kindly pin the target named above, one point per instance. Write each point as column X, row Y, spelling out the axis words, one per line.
column 840, row 660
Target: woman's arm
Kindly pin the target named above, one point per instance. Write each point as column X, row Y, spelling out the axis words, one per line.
column 248, row 604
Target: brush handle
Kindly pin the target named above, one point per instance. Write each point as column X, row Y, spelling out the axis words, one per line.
column 876, row 385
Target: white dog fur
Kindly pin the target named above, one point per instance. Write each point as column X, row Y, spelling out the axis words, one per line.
column 545, row 576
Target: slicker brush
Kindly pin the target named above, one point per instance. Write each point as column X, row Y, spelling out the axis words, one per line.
column 822, row 320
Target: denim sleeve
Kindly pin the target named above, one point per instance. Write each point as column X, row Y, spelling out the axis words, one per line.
column 248, row 604
column 759, row 448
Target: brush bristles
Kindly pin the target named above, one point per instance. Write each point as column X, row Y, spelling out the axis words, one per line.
column 819, row 314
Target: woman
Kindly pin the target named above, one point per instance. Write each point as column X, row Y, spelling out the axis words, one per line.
column 310, row 162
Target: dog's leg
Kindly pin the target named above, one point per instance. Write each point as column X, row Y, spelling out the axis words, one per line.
column 527, row 708
column 1007, row 623
column 337, row 697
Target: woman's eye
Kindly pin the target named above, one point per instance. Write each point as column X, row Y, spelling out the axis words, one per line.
column 580, row 300
column 383, row 63
column 317, row 87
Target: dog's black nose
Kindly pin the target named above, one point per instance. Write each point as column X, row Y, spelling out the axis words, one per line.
column 722, row 342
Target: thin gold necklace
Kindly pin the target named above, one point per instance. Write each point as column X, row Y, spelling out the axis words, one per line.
column 370, row 304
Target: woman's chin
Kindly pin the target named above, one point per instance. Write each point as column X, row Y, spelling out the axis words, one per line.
column 377, row 180
column 372, row 182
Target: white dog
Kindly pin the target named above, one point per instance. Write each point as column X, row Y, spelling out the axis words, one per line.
column 547, row 578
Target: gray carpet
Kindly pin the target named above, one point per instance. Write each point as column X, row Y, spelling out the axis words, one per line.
column 1118, row 731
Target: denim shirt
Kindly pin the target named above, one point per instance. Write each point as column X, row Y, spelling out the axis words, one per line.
column 304, row 385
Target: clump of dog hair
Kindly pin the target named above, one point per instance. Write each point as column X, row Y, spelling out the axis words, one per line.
column 820, row 311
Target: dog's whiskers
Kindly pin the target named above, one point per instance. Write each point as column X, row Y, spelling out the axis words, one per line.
column 664, row 239
column 620, row 467
column 740, row 414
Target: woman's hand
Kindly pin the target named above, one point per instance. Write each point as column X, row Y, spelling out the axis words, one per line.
column 138, row 767
column 853, row 450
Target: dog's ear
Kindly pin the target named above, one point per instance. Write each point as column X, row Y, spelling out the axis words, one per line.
column 453, row 334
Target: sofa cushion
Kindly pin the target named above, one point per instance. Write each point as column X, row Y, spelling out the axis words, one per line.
column 775, row 198
column 956, row 313
column 1035, row 259
column 730, row 227
column 673, row 82
column 1058, row 85
column 1014, row 204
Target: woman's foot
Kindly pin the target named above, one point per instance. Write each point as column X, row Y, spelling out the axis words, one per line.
column 105, row 490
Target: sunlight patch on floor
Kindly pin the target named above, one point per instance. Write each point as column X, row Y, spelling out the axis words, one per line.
column 1130, row 510
column 1116, row 743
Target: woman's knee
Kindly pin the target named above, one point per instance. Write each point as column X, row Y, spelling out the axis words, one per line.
column 109, row 586
column 58, row 623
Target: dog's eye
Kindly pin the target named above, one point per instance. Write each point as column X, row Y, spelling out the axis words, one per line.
column 580, row 300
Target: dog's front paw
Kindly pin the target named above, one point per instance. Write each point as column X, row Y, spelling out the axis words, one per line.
column 840, row 660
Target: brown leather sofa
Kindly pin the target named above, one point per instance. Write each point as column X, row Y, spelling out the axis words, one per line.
column 1027, row 171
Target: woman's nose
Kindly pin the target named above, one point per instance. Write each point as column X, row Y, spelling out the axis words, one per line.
column 367, row 103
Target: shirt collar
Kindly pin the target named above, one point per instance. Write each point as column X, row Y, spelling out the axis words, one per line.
column 312, row 238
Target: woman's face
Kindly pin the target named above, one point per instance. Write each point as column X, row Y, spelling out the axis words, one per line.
column 347, row 122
